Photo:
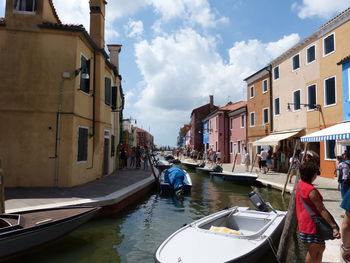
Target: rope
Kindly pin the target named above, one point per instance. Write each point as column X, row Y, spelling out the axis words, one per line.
column 273, row 248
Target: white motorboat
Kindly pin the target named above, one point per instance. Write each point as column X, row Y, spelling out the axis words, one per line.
column 232, row 235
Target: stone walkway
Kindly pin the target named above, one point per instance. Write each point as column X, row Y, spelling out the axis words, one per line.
column 101, row 192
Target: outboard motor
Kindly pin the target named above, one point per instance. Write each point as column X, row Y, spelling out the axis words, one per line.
column 258, row 202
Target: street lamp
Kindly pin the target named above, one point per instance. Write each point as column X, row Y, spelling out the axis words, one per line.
column 313, row 106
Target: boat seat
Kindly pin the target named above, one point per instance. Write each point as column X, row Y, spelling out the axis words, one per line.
column 225, row 230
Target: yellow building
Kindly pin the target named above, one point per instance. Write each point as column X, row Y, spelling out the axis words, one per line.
column 60, row 97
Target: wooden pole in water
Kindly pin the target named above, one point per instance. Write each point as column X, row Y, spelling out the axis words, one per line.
column 291, row 221
column 289, row 168
column 256, row 155
column 234, row 162
column 2, row 190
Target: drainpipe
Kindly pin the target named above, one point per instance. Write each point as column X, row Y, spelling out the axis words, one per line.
column 58, row 134
column 92, row 134
column 269, row 69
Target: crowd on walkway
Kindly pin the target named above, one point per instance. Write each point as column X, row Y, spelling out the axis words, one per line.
column 134, row 157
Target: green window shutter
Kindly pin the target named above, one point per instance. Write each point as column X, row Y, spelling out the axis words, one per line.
column 108, row 92
column 82, row 144
column 114, row 97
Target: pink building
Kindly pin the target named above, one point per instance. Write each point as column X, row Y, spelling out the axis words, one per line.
column 223, row 139
column 238, row 131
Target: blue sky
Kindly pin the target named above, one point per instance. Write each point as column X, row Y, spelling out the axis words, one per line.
column 177, row 52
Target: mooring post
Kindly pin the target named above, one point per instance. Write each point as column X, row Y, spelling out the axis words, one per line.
column 254, row 159
column 2, row 190
column 234, row 162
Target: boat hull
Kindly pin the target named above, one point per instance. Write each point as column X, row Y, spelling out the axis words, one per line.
column 196, row 242
column 236, row 177
column 22, row 239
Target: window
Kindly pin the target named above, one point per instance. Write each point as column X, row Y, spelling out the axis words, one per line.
column 296, row 62
column 108, row 92
column 296, row 99
column 85, row 69
column 239, row 147
column 311, row 97
column 242, row 121
column 252, row 92
column 330, row 149
column 265, row 115
column 231, row 123
column 311, row 54
column 112, row 145
column 216, row 123
column 277, row 106
column 82, row 144
column 329, row 91
column 25, row 5
column 265, row 87
column 328, row 45
column 114, row 98
column 231, row 147
column 276, row 73
column 252, row 119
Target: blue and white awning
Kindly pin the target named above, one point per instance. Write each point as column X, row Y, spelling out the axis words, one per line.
column 339, row 131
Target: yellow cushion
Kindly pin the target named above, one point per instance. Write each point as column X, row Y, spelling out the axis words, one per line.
column 225, row 230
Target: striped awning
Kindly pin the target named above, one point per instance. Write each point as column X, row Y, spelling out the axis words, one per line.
column 339, row 131
column 274, row 138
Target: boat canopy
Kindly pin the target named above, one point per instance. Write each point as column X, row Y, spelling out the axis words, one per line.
column 340, row 131
column 175, row 176
column 274, row 138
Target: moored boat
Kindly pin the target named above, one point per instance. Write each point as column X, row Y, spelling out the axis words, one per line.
column 232, row 235
column 162, row 165
column 174, row 179
column 22, row 231
column 190, row 165
column 245, row 178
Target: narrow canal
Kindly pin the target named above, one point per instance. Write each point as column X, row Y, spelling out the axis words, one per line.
column 134, row 235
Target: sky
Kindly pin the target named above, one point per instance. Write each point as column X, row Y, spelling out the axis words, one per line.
column 178, row 52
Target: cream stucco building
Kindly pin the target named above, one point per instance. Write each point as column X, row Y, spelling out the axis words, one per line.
column 60, row 97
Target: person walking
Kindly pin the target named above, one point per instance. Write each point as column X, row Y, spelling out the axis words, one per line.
column 295, row 163
column 246, row 160
column 344, row 169
column 306, row 192
column 263, row 158
column 345, row 228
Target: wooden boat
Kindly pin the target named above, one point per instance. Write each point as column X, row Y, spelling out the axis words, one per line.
column 245, row 178
column 232, row 235
column 204, row 170
column 167, row 188
column 25, row 230
column 190, row 165
column 162, row 165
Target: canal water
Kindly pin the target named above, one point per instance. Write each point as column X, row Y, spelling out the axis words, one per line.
column 134, row 234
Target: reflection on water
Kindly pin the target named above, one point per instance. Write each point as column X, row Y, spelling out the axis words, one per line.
column 134, row 235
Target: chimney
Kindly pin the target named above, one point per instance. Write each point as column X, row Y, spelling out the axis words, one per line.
column 114, row 51
column 97, row 21
column 211, row 100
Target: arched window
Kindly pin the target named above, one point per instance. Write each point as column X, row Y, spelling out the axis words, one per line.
column 25, row 5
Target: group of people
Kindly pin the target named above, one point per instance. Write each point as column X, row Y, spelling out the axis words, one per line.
column 308, row 197
column 134, row 157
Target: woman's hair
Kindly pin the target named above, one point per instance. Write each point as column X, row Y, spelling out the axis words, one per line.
column 307, row 171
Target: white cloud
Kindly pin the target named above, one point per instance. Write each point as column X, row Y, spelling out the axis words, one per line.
column 321, row 8
column 181, row 70
column 134, row 29
column 73, row 12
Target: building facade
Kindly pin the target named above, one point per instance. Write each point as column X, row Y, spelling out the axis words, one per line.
column 60, row 97
column 259, row 94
